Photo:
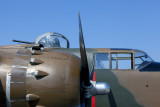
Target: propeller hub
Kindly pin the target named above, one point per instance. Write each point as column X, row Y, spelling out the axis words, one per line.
column 102, row 88
column 96, row 88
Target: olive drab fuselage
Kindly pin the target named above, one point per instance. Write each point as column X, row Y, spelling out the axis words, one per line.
column 131, row 87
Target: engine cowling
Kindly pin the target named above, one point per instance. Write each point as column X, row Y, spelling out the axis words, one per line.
column 43, row 79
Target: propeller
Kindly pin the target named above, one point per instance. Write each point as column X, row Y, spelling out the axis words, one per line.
column 87, row 88
column 84, row 69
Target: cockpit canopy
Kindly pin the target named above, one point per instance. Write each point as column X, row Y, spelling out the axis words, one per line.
column 120, row 60
column 52, row 40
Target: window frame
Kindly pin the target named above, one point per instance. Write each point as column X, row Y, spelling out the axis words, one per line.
column 132, row 60
column 110, row 63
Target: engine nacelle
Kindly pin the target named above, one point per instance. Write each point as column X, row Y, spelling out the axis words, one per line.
column 43, row 78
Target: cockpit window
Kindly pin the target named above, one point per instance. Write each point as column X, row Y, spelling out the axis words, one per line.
column 121, row 60
column 141, row 60
column 101, row 61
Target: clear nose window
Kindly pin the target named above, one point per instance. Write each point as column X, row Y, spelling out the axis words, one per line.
column 141, row 60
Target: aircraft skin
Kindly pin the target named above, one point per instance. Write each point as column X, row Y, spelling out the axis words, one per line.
column 130, row 88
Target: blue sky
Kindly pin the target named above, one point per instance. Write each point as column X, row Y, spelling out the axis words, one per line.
column 106, row 23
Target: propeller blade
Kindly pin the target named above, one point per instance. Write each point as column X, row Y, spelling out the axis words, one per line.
column 86, row 77
column 85, row 69
column 91, row 76
column 111, row 99
column 87, row 102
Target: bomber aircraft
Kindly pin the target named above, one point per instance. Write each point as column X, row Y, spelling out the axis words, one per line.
column 48, row 73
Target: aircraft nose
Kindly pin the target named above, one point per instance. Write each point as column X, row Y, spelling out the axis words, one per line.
column 152, row 67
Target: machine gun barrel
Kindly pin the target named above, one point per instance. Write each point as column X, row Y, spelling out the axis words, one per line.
column 19, row 41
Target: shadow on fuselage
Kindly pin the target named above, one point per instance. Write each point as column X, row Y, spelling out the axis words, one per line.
column 119, row 96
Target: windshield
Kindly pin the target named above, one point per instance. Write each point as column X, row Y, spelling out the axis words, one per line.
column 141, row 60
